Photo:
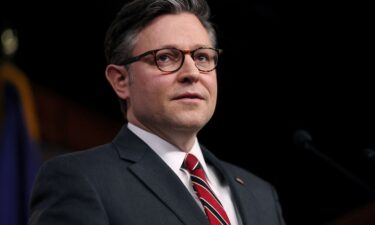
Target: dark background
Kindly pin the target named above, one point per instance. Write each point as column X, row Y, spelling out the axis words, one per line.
column 286, row 66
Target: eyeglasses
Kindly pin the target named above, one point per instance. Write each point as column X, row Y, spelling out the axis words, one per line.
column 172, row 59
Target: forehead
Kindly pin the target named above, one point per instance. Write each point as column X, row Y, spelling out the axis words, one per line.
column 183, row 30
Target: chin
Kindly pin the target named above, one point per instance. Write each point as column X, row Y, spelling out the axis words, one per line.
column 194, row 120
column 192, row 124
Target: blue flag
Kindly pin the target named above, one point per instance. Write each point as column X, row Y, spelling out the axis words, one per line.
column 19, row 160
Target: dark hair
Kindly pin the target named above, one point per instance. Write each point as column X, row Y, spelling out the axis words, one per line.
column 137, row 14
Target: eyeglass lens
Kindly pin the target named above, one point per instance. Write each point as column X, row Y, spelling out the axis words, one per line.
column 171, row 59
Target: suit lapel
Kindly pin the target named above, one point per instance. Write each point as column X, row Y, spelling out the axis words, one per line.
column 244, row 199
column 159, row 178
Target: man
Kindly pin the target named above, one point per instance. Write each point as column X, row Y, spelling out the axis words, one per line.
column 161, row 64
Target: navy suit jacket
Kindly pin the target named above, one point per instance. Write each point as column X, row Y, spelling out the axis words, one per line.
column 127, row 183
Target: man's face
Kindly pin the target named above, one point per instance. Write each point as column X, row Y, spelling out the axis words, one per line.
column 184, row 100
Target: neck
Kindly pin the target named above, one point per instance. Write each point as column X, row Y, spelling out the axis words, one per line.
column 183, row 142
column 181, row 138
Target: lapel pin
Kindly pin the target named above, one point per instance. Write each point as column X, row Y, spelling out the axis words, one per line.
column 239, row 180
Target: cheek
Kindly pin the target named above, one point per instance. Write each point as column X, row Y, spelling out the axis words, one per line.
column 211, row 85
column 150, row 88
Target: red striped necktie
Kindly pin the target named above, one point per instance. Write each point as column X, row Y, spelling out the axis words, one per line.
column 211, row 204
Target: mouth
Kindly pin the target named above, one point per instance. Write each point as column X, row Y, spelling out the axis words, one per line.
column 189, row 95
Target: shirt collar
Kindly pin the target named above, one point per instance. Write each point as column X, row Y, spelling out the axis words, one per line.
column 169, row 153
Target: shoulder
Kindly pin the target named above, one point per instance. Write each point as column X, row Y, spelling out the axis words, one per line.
column 86, row 155
column 83, row 170
column 89, row 161
column 68, row 182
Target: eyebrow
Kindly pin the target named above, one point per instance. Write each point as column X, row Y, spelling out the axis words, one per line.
column 194, row 47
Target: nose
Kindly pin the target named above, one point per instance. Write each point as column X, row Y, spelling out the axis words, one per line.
column 189, row 71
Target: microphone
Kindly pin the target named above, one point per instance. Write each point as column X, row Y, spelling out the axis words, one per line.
column 303, row 139
column 369, row 154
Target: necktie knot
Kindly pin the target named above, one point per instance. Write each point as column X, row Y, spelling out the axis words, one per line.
column 191, row 163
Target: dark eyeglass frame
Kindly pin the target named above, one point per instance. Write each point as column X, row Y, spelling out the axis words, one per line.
column 184, row 52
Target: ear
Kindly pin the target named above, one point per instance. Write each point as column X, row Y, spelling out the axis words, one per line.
column 118, row 77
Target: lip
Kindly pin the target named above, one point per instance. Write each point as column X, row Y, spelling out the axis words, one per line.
column 189, row 95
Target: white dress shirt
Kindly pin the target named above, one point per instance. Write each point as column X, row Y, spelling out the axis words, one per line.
column 174, row 158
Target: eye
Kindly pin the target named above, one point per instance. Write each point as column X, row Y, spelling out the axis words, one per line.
column 201, row 57
column 167, row 56
column 163, row 57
